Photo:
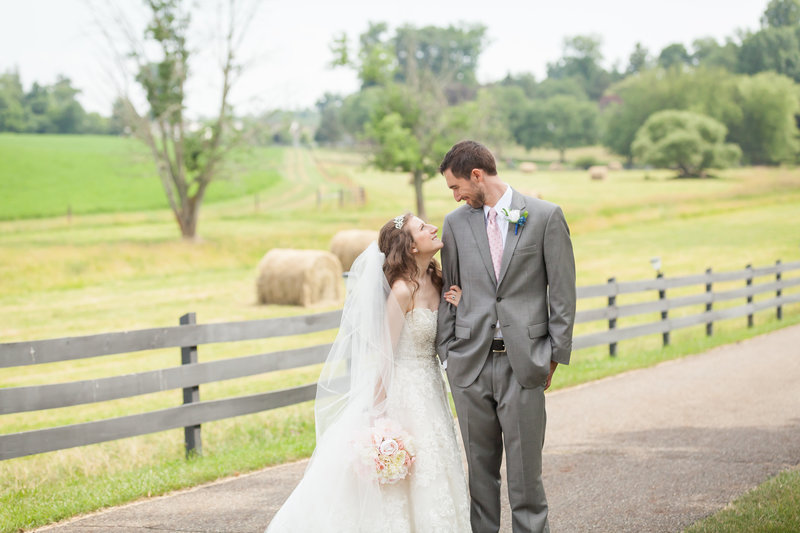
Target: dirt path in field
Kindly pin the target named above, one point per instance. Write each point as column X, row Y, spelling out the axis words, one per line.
column 651, row 450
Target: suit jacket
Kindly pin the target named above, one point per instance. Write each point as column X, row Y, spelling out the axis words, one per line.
column 534, row 299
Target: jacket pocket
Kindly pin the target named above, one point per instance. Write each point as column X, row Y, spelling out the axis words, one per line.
column 525, row 250
column 462, row 332
column 537, row 330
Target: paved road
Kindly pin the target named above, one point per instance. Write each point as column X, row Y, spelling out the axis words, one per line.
column 650, row 450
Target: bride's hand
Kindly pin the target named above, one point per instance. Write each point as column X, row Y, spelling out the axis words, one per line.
column 453, row 296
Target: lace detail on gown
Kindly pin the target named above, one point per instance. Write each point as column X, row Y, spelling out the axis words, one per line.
column 433, row 499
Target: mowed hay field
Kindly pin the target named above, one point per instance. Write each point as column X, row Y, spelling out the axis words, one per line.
column 119, row 264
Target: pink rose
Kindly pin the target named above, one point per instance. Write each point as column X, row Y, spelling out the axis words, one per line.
column 389, row 447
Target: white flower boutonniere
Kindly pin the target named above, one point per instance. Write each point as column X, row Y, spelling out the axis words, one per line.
column 516, row 217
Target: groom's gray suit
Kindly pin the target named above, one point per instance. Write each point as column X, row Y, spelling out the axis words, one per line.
column 499, row 396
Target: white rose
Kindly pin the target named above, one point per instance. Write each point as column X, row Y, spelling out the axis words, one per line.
column 513, row 216
column 389, row 447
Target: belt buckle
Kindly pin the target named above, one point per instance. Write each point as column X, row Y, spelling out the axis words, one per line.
column 498, row 346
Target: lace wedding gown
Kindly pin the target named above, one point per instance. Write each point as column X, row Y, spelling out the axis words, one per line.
column 432, row 499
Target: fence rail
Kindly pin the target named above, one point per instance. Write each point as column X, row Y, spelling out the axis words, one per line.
column 191, row 374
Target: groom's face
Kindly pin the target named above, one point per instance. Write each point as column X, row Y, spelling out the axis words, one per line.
column 470, row 190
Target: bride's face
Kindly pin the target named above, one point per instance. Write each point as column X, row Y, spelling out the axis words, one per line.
column 425, row 236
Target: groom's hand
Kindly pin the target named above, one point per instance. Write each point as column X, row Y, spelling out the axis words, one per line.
column 553, row 366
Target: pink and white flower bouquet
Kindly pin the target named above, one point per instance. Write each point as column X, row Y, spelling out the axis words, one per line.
column 385, row 452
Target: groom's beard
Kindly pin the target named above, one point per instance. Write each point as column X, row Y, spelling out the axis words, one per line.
column 477, row 200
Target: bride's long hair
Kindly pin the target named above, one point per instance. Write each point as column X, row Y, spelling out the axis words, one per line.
column 396, row 245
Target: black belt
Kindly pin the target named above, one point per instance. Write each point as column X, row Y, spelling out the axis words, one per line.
column 498, row 345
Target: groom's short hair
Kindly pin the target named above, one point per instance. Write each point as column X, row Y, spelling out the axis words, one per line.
column 466, row 155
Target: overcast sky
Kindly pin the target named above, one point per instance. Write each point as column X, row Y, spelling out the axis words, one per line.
column 289, row 40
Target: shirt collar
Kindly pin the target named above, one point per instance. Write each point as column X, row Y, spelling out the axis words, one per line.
column 503, row 203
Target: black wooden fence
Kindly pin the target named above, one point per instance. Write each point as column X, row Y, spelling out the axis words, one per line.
column 191, row 374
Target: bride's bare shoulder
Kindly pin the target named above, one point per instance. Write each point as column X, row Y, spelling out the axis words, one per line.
column 402, row 291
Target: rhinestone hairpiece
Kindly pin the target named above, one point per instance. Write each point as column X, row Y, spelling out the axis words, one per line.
column 398, row 221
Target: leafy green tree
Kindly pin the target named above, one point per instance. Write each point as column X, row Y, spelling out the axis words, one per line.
column 330, row 129
column 525, row 81
column 674, row 55
column 559, row 122
column 376, row 63
column 116, row 122
column 774, row 48
column 410, row 130
column 12, row 109
column 767, row 131
column 634, row 99
column 689, row 142
column 188, row 155
column 95, row 124
column 581, row 60
column 550, row 87
column 449, row 53
column 781, row 13
column 708, row 53
column 357, row 108
column 490, row 116
column 639, row 60
column 65, row 114
column 410, row 125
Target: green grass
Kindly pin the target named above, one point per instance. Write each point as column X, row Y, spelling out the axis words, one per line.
column 123, row 266
column 57, row 175
column 773, row 507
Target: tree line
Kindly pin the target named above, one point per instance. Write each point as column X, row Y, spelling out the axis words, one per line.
column 50, row 108
column 713, row 106
column 748, row 83
column 729, row 102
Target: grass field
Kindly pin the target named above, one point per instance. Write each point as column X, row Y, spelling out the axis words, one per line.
column 53, row 175
column 118, row 263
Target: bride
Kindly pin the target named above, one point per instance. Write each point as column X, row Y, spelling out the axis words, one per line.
column 383, row 367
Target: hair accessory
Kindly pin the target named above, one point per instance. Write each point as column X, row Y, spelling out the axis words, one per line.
column 398, row 221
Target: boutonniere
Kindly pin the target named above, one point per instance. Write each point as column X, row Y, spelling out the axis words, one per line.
column 515, row 217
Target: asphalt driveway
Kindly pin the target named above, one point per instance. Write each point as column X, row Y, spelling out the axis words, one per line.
column 651, row 450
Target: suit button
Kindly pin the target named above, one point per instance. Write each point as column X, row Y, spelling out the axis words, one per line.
column 493, row 326
column 499, row 299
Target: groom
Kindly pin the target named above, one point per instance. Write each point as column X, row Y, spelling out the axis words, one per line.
column 511, row 329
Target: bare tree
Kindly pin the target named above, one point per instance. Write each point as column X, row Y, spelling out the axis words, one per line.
column 188, row 155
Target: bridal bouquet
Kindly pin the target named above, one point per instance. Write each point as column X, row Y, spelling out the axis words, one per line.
column 385, row 451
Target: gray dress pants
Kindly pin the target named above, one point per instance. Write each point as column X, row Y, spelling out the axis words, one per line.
column 495, row 412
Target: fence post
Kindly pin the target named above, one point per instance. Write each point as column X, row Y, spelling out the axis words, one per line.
column 779, row 292
column 612, row 322
column 662, row 295
column 191, row 434
column 341, row 197
column 319, row 197
column 709, row 292
column 750, row 296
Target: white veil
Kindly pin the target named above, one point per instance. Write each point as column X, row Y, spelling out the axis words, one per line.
column 358, row 371
column 351, row 392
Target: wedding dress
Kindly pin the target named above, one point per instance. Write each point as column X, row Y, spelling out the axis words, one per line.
column 382, row 364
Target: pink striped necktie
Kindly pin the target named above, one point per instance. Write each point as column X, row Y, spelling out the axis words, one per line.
column 495, row 241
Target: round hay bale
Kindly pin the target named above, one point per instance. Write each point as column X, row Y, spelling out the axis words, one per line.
column 299, row 277
column 598, row 172
column 528, row 166
column 555, row 165
column 348, row 244
column 615, row 165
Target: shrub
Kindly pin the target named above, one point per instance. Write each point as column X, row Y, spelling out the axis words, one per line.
column 686, row 141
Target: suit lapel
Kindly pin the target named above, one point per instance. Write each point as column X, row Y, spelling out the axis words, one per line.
column 477, row 223
column 517, row 202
